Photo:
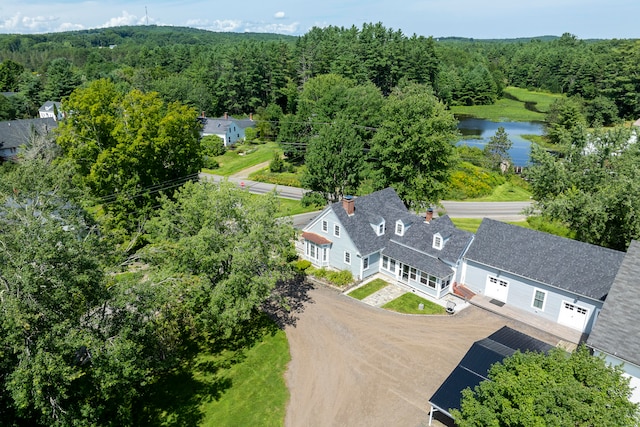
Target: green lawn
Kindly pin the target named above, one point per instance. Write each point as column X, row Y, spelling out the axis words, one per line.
column 370, row 288
column 239, row 386
column 243, row 157
column 509, row 109
column 507, row 192
column 542, row 100
column 289, row 207
column 408, row 304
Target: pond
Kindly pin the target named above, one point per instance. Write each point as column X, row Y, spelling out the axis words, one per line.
column 477, row 132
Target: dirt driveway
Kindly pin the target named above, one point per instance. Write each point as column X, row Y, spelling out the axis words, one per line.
column 357, row 365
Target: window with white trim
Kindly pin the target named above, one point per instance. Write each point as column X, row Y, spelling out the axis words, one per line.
column 381, row 229
column 539, row 298
column 399, row 228
column 336, row 230
column 347, row 257
column 365, row 263
column 413, row 273
column 437, row 241
column 325, row 225
column 385, row 262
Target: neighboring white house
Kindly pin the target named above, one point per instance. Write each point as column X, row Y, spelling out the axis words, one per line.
column 559, row 279
column 229, row 129
column 616, row 334
column 51, row 109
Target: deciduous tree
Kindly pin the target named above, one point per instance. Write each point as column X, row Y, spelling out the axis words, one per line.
column 414, row 146
column 558, row 389
column 334, row 160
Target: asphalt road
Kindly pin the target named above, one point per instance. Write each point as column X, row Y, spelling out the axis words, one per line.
column 503, row 211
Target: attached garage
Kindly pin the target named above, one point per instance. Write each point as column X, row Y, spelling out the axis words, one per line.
column 573, row 315
column 497, row 288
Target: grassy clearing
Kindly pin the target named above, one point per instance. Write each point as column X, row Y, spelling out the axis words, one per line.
column 370, row 288
column 507, row 192
column 234, row 385
column 408, row 304
column 243, row 157
column 467, row 224
column 542, row 100
column 290, row 179
column 509, row 109
column 289, row 207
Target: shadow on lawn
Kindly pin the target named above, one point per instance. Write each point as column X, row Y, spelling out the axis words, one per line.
column 288, row 301
column 176, row 399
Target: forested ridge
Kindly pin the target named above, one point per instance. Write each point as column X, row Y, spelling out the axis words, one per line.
column 238, row 73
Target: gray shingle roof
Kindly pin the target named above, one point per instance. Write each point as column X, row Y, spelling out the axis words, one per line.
column 221, row 125
column 415, row 246
column 617, row 330
column 368, row 210
column 577, row 267
column 15, row 133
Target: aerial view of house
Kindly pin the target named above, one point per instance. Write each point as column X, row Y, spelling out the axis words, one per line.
column 377, row 234
column 228, row 128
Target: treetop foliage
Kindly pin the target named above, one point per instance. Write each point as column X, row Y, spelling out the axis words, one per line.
column 558, row 389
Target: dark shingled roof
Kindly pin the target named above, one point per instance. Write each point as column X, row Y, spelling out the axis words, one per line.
column 15, row 133
column 369, row 210
column 577, row 267
column 617, row 330
column 474, row 366
column 415, row 247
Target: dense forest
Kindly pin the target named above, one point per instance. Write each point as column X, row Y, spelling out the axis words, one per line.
column 240, row 73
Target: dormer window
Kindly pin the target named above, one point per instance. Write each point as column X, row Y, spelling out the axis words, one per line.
column 437, row 241
column 379, row 229
column 399, row 228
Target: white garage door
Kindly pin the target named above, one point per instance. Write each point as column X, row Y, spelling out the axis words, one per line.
column 497, row 288
column 573, row 315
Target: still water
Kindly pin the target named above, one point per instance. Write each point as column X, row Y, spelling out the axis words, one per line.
column 477, row 132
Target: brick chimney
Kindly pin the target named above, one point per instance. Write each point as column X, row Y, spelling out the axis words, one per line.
column 429, row 216
column 251, row 116
column 226, row 116
column 202, row 115
column 348, row 203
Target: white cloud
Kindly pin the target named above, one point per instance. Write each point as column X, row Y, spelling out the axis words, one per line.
column 279, row 15
column 261, row 27
column 28, row 24
column 125, row 19
column 225, row 25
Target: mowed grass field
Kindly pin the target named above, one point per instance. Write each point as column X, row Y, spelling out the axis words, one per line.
column 512, row 107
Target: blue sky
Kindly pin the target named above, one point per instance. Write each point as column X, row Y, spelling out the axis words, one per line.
column 439, row 18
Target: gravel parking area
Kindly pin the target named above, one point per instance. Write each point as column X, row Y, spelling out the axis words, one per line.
column 357, row 365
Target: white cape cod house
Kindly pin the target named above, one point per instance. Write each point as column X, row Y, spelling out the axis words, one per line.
column 377, row 234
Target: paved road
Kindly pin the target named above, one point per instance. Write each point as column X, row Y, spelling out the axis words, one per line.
column 504, row 211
